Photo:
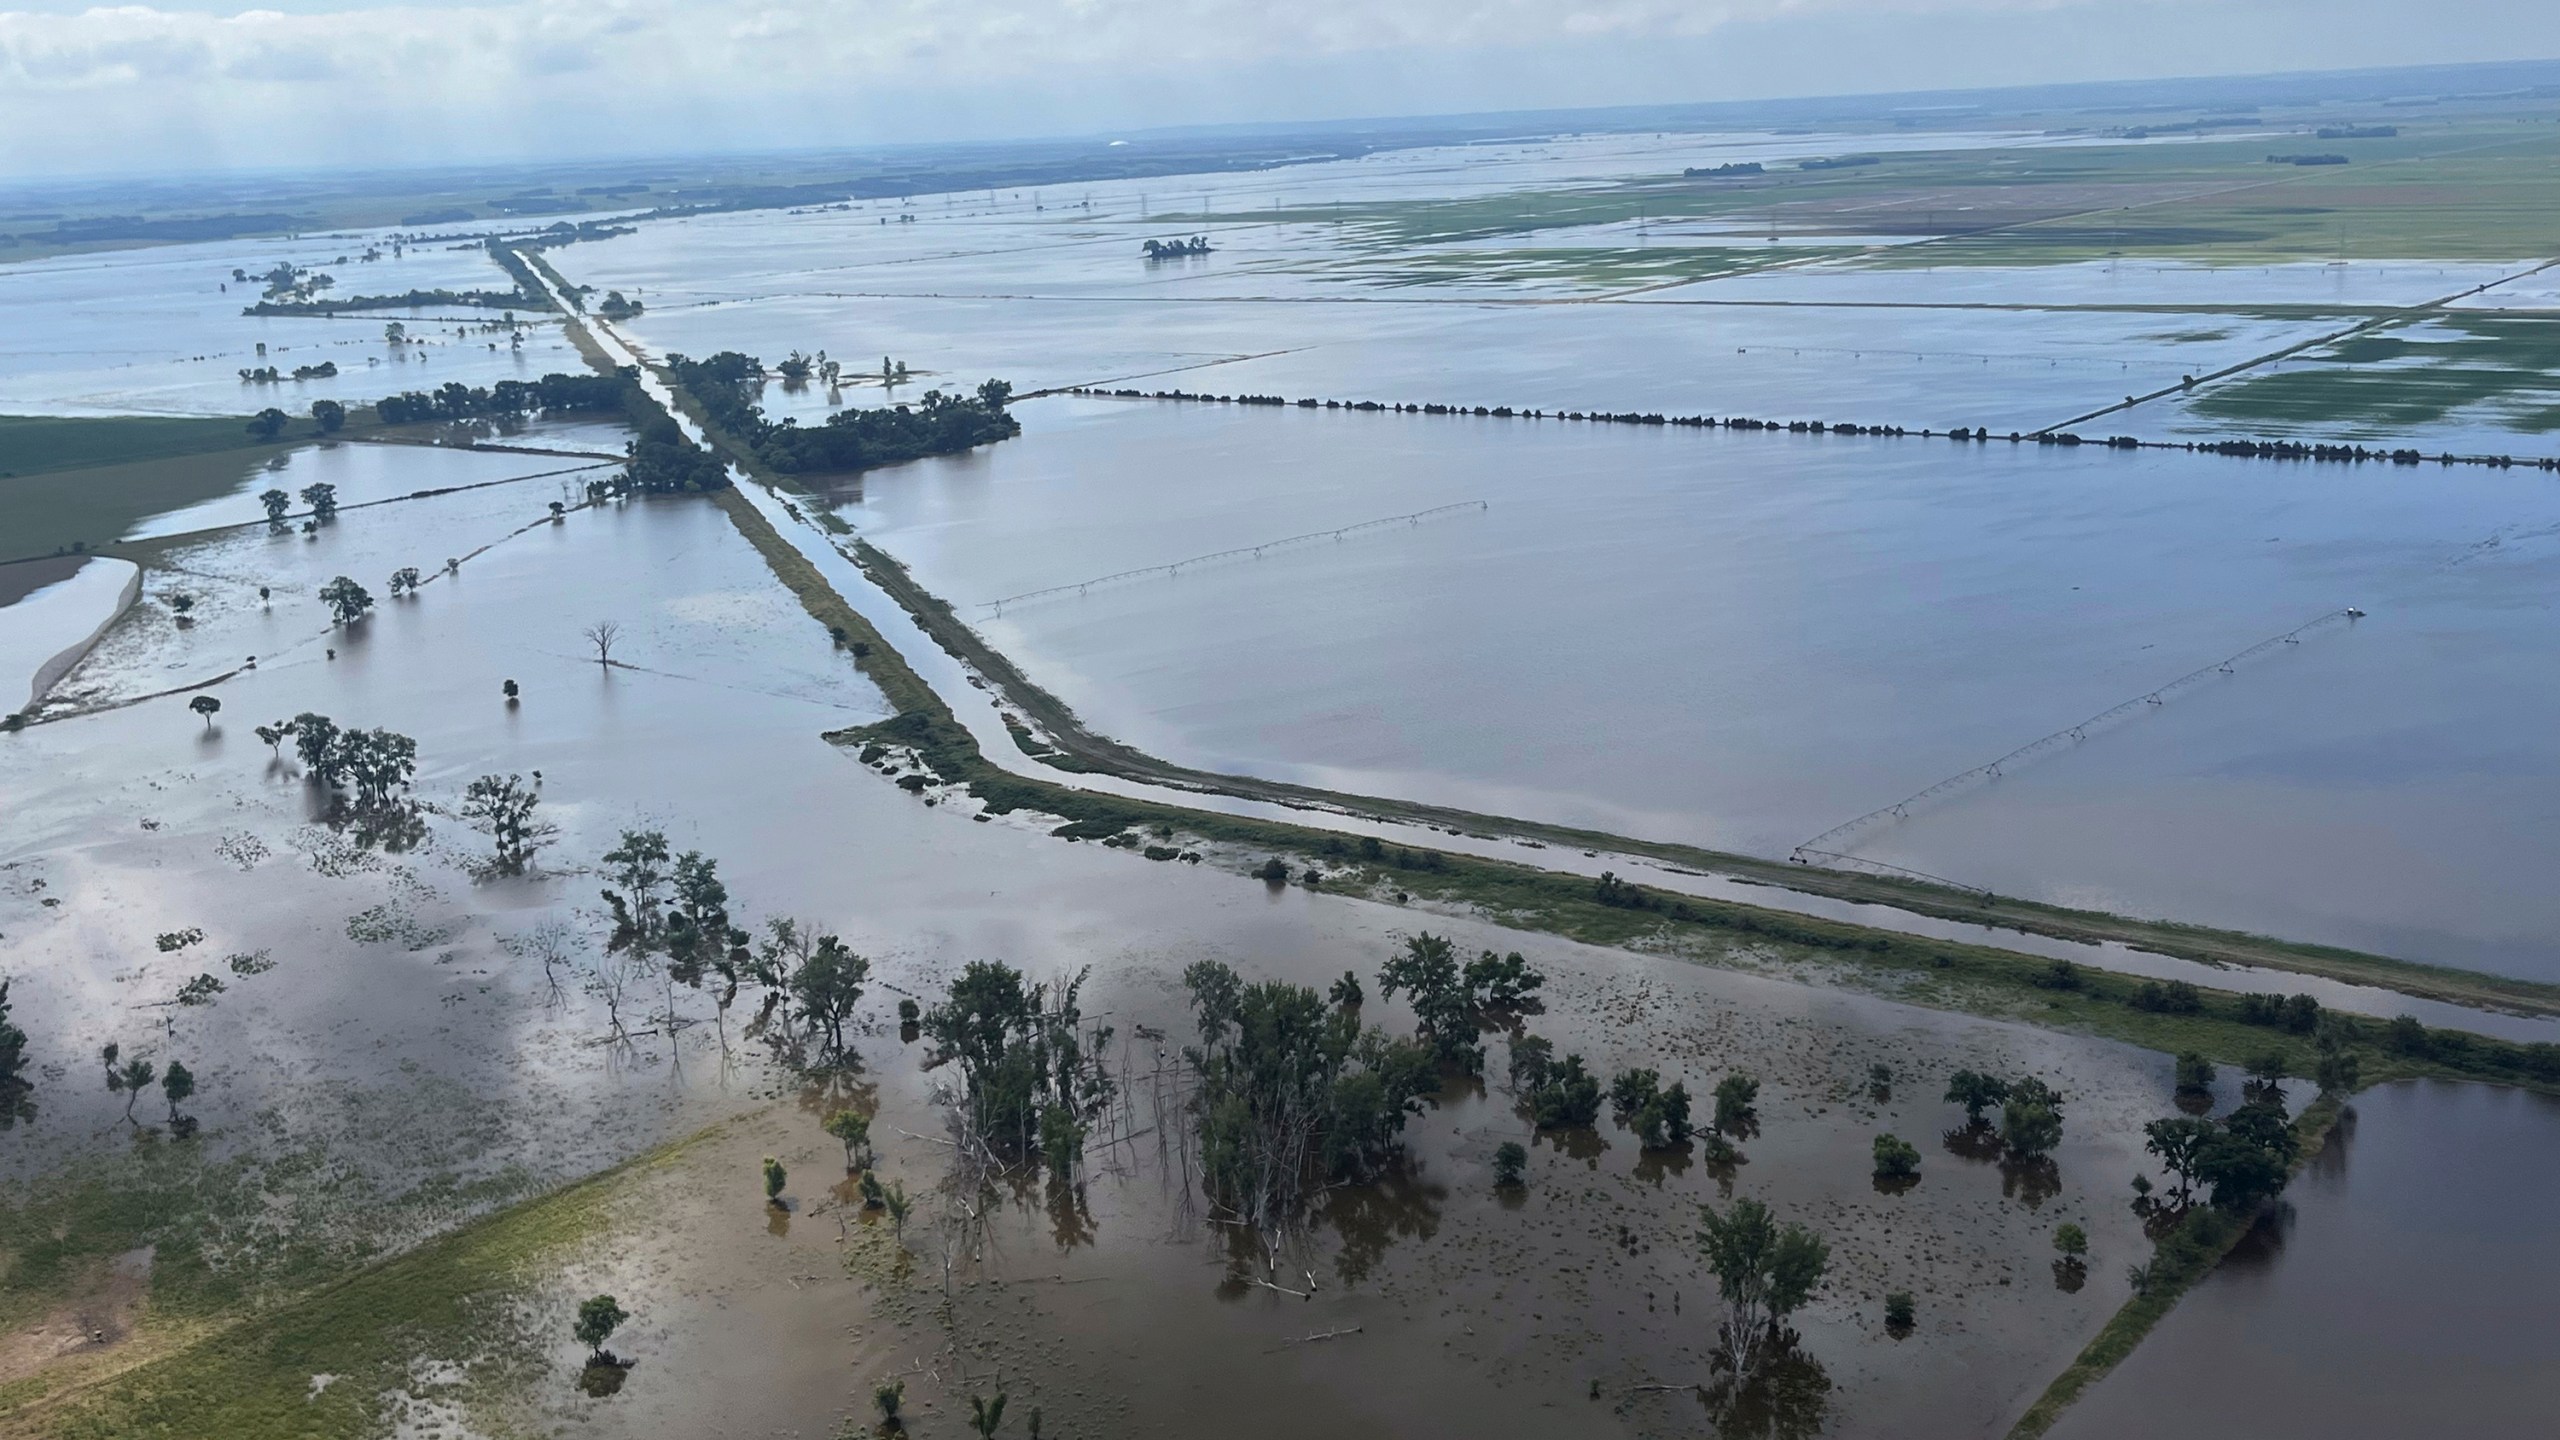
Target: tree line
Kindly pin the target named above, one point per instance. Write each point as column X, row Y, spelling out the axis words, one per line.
column 940, row 423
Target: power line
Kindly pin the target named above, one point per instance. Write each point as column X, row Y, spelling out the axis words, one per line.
column 1826, row 846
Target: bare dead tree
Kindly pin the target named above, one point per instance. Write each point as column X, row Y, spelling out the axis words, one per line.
column 602, row 635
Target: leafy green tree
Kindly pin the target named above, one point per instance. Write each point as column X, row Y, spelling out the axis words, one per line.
column 132, row 1079
column 1659, row 1115
column 275, row 735
column 315, row 740
column 1896, row 1158
column 278, row 505
column 854, row 1131
column 598, row 1317
column 2267, row 1070
column 502, row 808
column 775, row 1177
column 1026, row 1060
column 1763, row 1270
column 1899, row 1312
column 322, row 497
column 1502, row 982
column 330, row 415
column 13, row 1046
column 2338, row 1071
column 2251, row 1159
column 267, row 424
column 178, row 1083
column 1566, row 1097
column 2195, row 1073
column 1976, row 1092
column 827, row 988
column 2031, row 1119
column 1510, row 1163
column 889, row 1398
column 1294, row 1093
column 206, row 706
column 1346, row 991
column 347, row 600
column 2071, row 1241
column 1444, row 1008
column 1737, row 1095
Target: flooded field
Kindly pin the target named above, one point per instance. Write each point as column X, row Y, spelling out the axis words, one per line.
column 371, row 995
column 1728, row 612
column 2432, row 1199
column 411, row 1071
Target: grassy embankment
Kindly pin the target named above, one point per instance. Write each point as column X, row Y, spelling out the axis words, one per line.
column 2181, row 1260
column 220, row 1355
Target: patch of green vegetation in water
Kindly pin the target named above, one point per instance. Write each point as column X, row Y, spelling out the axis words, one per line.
column 2435, row 371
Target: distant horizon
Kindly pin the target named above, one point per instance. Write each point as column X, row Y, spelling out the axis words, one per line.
column 334, row 85
column 1869, row 106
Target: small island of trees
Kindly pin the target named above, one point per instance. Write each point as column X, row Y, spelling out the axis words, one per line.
column 1171, row 249
column 939, row 424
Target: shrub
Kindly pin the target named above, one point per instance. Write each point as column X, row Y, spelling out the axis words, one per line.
column 1510, row 1161
column 1896, row 1158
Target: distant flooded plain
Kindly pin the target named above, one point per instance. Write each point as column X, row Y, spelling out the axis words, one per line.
column 1742, row 640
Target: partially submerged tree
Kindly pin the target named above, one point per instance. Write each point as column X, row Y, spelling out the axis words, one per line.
column 2031, row 1119
column 854, row 1130
column 1659, row 1114
column 13, row 1047
column 1510, row 1163
column 1737, row 1099
column 775, row 1177
column 1031, row 1074
column 347, row 600
column 1896, row 1158
column 1293, row 1094
column 598, row 1317
column 322, row 497
column 601, row 636
column 177, row 1083
column 1976, row 1093
column 1763, row 1270
column 206, row 706
column 277, row 504
column 502, row 808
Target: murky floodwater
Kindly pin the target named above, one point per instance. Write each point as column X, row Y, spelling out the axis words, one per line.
column 67, row 604
column 1743, row 640
column 2408, row 1290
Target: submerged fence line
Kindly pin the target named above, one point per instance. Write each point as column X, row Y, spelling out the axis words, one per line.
column 1825, row 846
column 1973, row 434
column 1079, row 587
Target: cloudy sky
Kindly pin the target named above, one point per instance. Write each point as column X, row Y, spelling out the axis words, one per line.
column 162, row 88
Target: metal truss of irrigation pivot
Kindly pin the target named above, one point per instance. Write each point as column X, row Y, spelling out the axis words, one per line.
column 1079, row 587
column 1825, row 846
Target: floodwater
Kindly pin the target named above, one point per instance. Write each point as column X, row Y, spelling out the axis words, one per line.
column 2392, row 1299
column 1744, row 640
column 375, row 994
column 68, row 603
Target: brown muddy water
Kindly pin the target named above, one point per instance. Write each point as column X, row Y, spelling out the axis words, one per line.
column 2407, row 1288
column 388, row 1009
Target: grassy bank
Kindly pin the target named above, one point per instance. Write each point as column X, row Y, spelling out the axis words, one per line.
column 2180, row 1262
column 244, row 1370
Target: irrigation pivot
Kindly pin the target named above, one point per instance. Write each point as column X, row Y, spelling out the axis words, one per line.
column 1079, row 587
column 1827, row 845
